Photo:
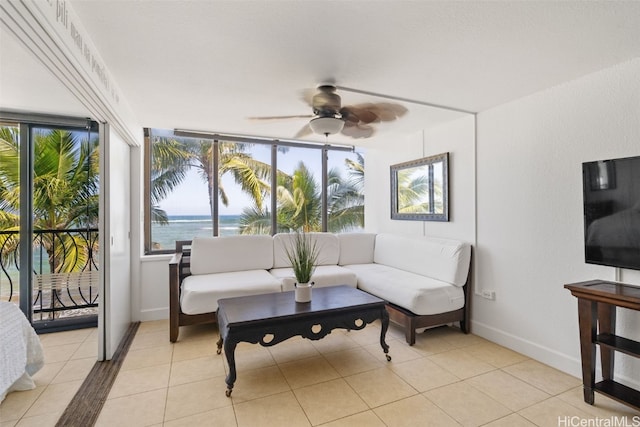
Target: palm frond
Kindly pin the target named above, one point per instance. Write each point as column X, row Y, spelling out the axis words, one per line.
column 255, row 221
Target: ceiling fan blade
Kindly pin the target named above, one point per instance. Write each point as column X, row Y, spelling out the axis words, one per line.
column 368, row 116
column 304, row 131
column 381, row 112
column 303, row 116
column 363, row 112
column 349, row 116
column 388, row 111
column 385, row 116
column 358, row 131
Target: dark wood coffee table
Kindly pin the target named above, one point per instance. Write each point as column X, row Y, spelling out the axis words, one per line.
column 272, row 318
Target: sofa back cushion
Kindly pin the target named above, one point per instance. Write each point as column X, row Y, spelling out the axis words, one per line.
column 356, row 248
column 327, row 244
column 231, row 253
column 442, row 259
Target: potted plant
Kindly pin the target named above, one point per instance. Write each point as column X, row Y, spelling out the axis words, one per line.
column 303, row 255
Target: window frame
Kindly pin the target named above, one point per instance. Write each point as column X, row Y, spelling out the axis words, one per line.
column 275, row 144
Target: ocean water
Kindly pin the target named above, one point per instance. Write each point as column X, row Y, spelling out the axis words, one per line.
column 186, row 227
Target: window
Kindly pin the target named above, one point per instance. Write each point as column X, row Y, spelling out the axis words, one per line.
column 299, row 190
column 345, row 192
column 200, row 186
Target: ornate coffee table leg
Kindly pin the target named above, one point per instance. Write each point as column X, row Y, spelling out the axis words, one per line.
column 229, row 351
column 383, row 333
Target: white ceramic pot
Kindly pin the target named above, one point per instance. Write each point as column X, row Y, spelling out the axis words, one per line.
column 303, row 292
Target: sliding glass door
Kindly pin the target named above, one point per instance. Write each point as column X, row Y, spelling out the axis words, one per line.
column 49, row 240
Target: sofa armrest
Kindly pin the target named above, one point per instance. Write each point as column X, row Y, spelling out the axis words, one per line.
column 178, row 270
column 174, row 296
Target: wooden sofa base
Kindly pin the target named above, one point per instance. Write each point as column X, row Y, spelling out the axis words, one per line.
column 187, row 320
column 179, row 268
column 410, row 321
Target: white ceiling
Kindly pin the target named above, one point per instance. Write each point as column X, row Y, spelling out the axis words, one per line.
column 209, row 65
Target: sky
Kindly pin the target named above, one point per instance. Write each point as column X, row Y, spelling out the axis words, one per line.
column 190, row 198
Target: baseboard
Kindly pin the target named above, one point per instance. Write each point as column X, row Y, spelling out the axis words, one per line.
column 569, row 365
column 154, row 314
column 553, row 358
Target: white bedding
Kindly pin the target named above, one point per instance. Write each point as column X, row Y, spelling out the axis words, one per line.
column 21, row 353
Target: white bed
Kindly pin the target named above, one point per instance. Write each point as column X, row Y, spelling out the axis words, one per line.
column 21, row 354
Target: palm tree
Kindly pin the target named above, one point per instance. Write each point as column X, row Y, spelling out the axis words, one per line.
column 9, row 193
column 173, row 158
column 299, row 202
column 255, row 221
column 355, row 169
column 170, row 163
column 251, row 174
column 65, row 193
column 345, row 197
column 9, row 173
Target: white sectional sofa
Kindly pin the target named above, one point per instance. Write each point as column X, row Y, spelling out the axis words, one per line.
column 423, row 279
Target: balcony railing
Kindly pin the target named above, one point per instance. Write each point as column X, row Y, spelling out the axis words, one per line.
column 65, row 278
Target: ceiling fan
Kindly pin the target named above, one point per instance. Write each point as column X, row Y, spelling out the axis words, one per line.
column 330, row 117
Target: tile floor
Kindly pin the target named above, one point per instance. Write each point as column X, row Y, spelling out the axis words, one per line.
column 446, row 379
column 69, row 356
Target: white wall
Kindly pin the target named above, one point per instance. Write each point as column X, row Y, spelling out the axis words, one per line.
column 377, row 177
column 457, row 138
column 530, row 219
column 154, row 288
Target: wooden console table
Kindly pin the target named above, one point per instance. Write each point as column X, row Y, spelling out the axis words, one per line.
column 597, row 302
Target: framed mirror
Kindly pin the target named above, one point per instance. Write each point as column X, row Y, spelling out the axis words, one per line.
column 420, row 189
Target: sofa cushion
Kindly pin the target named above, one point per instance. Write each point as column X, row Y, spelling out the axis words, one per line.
column 200, row 293
column 356, row 248
column 420, row 294
column 231, row 253
column 327, row 244
column 324, row 275
column 441, row 259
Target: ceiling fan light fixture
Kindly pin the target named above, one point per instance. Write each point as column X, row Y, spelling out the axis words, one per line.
column 326, row 125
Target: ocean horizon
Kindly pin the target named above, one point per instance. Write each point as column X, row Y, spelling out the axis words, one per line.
column 186, row 227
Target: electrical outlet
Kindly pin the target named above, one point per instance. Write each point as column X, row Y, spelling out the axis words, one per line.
column 489, row 294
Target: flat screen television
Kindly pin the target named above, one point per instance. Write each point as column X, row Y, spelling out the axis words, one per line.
column 611, row 190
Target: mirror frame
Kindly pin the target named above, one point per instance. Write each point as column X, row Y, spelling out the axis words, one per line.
column 428, row 162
